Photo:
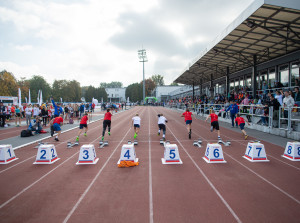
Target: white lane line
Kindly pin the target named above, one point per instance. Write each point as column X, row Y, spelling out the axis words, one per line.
column 93, row 181
column 258, row 175
column 150, row 176
column 17, row 164
column 38, row 180
column 208, row 181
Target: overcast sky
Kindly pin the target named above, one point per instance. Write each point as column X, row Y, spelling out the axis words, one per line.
column 96, row 41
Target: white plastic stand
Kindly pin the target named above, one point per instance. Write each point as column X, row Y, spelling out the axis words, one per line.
column 46, row 155
column 214, row 153
column 128, row 153
column 87, row 155
column 171, row 155
column 255, row 152
column 7, row 154
column 292, row 151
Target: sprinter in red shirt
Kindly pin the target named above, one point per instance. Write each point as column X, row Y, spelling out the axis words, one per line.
column 241, row 122
column 83, row 124
column 55, row 126
column 188, row 121
column 106, row 122
column 214, row 123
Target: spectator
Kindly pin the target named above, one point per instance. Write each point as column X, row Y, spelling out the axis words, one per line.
column 2, row 114
column 18, row 116
column 288, row 102
column 279, row 96
column 233, row 111
column 265, row 115
column 297, row 96
column 44, row 113
column 28, row 113
column 36, row 110
column 81, row 109
column 275, row 104
column 57, row 109
column 35, row 125
column 245, row 102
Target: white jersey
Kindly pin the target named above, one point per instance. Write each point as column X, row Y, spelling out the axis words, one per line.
column 162, row 120
column 36, row 111
column 136, row 120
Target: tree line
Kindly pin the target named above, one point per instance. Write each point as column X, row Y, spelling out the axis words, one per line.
column 70, row 90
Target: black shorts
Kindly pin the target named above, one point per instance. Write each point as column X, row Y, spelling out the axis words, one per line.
column 162, row 126
column 81, row 126
column 106, row 123
column 18, row 114
column 242, row 126
column 136, row 125
column 215, row 125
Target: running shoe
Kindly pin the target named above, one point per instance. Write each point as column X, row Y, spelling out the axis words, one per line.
column 85, row 134
column 109, row 133
column 77, row 139
column 190, row 135
column 102, row 138
column 135, row 135
column 246, row 136
column 158, row 133
column 56, row 139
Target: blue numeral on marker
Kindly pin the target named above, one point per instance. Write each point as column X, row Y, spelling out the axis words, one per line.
column 298, row 151
column 250, row 147
column 43, row 155
column 216, row 153
column 127, row 154
column 9, row 152
column 53, row 154
column 86, row 153
column 172, row 154
column 289, row 150
column 258, row 151
column 207, row 151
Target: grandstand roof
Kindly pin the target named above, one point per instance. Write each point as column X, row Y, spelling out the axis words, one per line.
column 267, row 28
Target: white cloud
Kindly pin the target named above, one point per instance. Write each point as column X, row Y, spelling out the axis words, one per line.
column 96, row 41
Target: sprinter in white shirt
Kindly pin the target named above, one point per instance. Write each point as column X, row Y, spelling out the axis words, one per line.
column 136, row 122
column 162, row 125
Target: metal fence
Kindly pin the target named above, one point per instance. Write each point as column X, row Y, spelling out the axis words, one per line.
column 287, row 118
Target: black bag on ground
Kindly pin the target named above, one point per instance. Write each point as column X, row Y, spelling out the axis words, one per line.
column 26, row 133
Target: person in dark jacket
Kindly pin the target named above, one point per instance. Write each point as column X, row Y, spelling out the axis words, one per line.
column 234, row 109
column 2, row 114
column 275, row 104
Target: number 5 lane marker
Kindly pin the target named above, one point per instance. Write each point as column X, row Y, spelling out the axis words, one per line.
column 208, row 181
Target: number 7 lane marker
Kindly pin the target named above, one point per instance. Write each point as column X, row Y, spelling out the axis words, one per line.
column 94, row 180
column 208, row 181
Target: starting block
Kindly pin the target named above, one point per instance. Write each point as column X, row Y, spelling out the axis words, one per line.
column 197, row 143
column 292, row 151
column 87, row 155
column 171, row 155
column 46, row 154
column 227, row 143
column 135, row 142
column 255, row 152
column 102, row 144
column 214, row 153
column 69, row 144
column 161, row 141
column 40, row 143
column 7, row 154
column 128, row 153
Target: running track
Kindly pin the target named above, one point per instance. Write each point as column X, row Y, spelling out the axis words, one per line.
column 238, row 191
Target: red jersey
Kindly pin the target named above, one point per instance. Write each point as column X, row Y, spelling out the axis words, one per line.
column 239, row 120
column 84, row 119
column 107, row 116
column 213, row 117
column 187, row 116
column 58, row 120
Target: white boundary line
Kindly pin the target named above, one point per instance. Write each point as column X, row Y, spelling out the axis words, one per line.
column 258, row 175
column 208, row 181
column 150, row 176
column 93, row 181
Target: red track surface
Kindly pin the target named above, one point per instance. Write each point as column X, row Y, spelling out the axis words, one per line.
column 151, row 192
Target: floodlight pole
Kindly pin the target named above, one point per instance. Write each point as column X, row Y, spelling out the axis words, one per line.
column 143, row 58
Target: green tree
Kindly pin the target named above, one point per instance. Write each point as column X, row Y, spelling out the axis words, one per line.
column 174, row 84
column 113, row 84
column 24, row 85
column 8, row 84
column 97, row 93
column 158, row 80
column 134, row 92
column 149, row 86
column 74, row 91
column 69, row 91
column 37, row 83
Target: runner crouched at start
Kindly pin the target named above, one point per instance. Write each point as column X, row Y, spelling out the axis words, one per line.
column 83, row 124
column 56, row 123
column 162, row 125
column 106, row 123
